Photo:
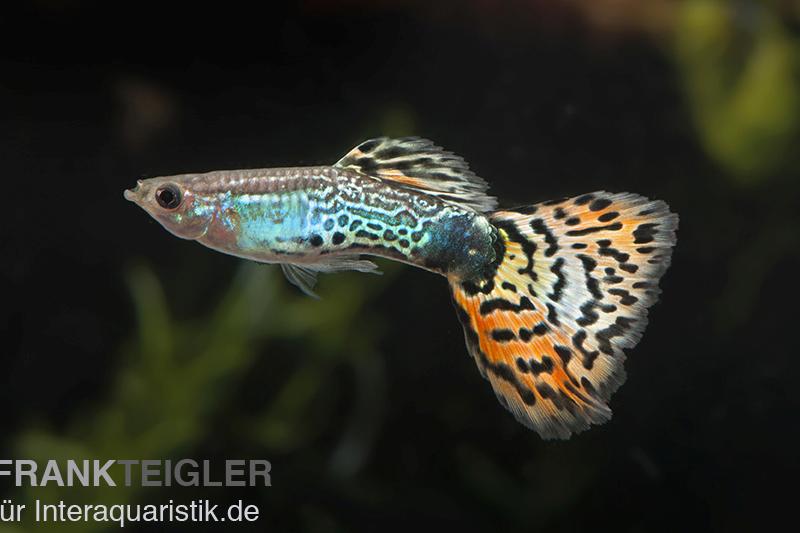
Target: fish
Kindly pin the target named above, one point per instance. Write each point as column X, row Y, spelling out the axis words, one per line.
column 550, row 295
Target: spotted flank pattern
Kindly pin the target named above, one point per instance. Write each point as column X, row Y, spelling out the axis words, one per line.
column 548, row 326
column 420, row 164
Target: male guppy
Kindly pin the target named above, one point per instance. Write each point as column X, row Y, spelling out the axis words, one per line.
column 549, row 295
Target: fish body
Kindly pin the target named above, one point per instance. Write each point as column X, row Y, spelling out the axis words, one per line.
column 318, row 215
column 549, row 294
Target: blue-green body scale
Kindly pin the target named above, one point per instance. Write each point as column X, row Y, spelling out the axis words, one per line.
column 300, row 215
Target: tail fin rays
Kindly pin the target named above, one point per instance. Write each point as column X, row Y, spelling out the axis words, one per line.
column 571, row 292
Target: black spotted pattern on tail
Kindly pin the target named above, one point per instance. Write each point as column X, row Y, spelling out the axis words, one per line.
column 549, row 325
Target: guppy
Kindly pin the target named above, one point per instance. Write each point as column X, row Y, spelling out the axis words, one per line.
column 549, row 295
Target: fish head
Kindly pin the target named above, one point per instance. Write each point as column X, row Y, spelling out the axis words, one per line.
column 176, row 203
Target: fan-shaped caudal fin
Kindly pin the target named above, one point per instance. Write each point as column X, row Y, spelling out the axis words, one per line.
column 572, row 291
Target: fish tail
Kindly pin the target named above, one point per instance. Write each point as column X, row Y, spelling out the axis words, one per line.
column 571, row 290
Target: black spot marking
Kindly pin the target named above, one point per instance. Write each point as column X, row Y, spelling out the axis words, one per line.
column 547, row 393
column 572, row 221
column 588, row 357
column 585, row 199
column 646, row 212
column 620, row 257
column 366, row 164
column 594, row 287
column 404, row 243
column 328, row 224
column 416, row 236
column 522, row 365
column 564, row 353
column 391, row 152
column 545, row 366
column 599, row 204
column 644, row 233
column 532, row 291
column 503, row 371
column 616, row 226
column 503, row 335
column 496, row 304
column 607, row 217
column 559, row 213
column 338, row 238
column 509, row 286
column 641, row 285
column 541, row 328
column 376, row 227
column 552, row 315
column 617, row 329
column 589, row 263
column 355, row 225
column 579, row 246
column 389, row 235
column 604, row 243
column 315, row 240
column 590, row 316
column 569, row 386
column 527, row 334
column 629, row 267
column 367, row 235
column 402, row 231
column 626, row 297
column 528, row 397
column 587, row 385
column 471, row 288
column 541, row 228
column 645, row 249
column 561, row 279
column 343, row 220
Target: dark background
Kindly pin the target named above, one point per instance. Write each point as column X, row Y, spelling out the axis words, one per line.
column 366, row 403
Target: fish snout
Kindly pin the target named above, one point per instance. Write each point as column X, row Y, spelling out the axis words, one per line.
column 132, row 194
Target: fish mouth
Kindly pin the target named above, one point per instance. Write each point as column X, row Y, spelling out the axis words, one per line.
column 133, row 194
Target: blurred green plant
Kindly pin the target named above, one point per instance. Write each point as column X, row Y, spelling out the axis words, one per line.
column 740, row 65
column 178, row 374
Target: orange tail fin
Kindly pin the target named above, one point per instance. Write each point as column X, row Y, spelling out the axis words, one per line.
column 571, row 291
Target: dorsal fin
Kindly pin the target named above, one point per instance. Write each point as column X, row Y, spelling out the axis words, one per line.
column 419, row 164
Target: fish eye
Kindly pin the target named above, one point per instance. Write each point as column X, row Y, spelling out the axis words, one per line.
column 168, row 196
